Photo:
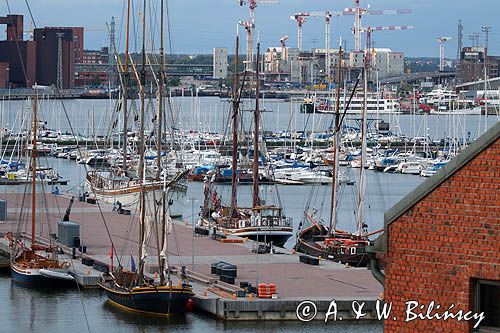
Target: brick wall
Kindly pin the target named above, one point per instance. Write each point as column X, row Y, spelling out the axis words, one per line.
column 4, row 75
column 444, row 242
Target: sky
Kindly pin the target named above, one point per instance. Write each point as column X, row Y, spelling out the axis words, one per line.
column 199, row 25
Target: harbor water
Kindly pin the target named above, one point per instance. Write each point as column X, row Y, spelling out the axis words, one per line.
column 58, row 311
column 212, row 114
column 74, row 311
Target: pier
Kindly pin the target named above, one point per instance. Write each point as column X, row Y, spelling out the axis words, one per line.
column 295, row 281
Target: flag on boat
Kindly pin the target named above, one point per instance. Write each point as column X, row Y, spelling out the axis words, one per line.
column 132, row 264
column 111, row 255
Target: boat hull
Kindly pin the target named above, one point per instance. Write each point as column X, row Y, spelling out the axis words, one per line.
column 355, row 260
column 150, row 300
column 129, row 197
column 307, row 244
column 276, row 237
column 33, row 278
column 28, row 277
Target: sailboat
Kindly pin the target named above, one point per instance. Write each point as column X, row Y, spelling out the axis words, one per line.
column 265, row 223
column 122, row 185
column 329, row 242
column 132, row 289
column 36, row 264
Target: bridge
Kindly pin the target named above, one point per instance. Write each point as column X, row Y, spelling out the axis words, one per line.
column 437, row 77
column 170, row 69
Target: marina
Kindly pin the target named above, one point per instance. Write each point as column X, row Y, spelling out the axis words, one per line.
column 166, row 181
column 225, row 301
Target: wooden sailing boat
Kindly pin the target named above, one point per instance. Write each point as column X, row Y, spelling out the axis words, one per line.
column 133, row 290
column 328, row 242
column 265, row 223
column 122, row 185
column 36, row 265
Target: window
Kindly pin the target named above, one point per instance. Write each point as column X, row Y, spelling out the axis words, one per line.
column 487, row 294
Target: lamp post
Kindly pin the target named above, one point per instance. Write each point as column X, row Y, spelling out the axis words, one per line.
column 193, row 200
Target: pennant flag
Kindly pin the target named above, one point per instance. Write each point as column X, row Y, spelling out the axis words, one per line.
column 111, row 255
column 132, row 264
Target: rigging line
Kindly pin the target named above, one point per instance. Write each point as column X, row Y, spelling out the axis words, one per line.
column 22, row 213
column 101, row 213
column 177, row 245
column 169, row 28
column 31, row 14
column 81, row 299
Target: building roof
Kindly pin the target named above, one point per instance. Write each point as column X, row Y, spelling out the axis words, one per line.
column 414, row 197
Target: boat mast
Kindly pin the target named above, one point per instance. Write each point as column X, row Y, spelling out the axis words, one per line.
column 236, row 103
column 124, row 93
column 160, row 99
column 336, row 141
column 159, row 146
column 256, row 201
column 141, row 147
column 125, row 85
column 33, row 170
column 360, row 211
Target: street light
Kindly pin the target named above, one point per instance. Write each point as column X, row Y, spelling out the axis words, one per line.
column 193, row 200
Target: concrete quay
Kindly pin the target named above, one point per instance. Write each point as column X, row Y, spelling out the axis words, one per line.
column 295, row 281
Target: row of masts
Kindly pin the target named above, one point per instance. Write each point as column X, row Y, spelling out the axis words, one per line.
column 237, row 90
column 141, row 175
column 336, row 129
column 336, row 141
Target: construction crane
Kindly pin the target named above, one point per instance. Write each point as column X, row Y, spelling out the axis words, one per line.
column 250, row 26
column 300, row 18
column 358, row 12
column 369, row 30
column 441, row 41
column 283, row 41
column 328, row 18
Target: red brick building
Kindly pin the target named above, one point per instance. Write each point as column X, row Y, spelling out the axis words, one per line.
column 4, row 75
column 471, row 65
column 442, row 244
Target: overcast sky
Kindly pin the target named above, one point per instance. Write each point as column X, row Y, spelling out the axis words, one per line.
column 199, row 25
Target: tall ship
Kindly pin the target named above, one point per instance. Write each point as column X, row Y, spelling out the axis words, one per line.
column 263, row 223
column 317, row 239
column 122, row 183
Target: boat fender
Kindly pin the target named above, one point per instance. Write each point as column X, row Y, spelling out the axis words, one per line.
column 189, row 305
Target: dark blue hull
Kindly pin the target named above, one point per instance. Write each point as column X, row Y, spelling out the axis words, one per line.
column 39, row 281
column 28, row 279
column 158, row 301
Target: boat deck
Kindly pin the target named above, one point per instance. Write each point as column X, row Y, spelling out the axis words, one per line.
column 294, row 280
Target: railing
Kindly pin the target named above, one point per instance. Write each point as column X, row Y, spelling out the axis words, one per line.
column 273, row 222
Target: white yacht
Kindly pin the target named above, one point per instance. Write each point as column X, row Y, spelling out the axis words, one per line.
column 375, row 104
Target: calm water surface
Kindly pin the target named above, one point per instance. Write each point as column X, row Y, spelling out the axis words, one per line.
column 27, row 310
